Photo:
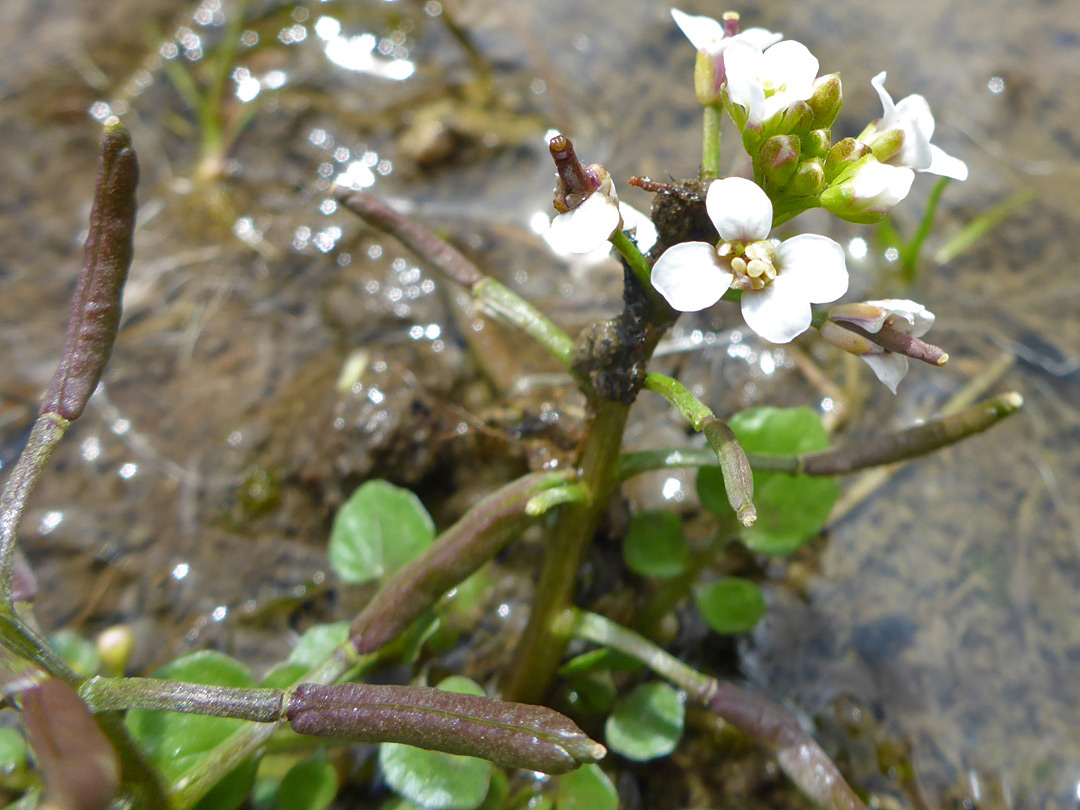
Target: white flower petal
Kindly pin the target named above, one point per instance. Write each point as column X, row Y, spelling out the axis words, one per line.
column 916, row 109
column 760, row 38
column 739, row 209
column 888, row 367
column 911, row 317
column 689, row 277
column 816, row 264
column 704, row 33
column 585, row 228
column 888, row 117
column 879, row 187
column 790, row 68
column 779, row 312
column 946, row 165
column 743, row 63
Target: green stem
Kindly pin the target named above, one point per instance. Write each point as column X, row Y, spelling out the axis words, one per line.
column 541, row 647
column 193, row 784
column 498, row 301
column 712, row 115
column 115, row 694
column 693, row 409
column 919, row 440
column 491, row 297
column 738, row 477
column 46, row 434
column 629, row 251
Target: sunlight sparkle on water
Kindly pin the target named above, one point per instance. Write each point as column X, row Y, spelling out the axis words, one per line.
column 50, row 520
column 90, row 448
column 181, row 571
column 128, row 471
column 857, row 248
column 672, row 490
column 359, row 52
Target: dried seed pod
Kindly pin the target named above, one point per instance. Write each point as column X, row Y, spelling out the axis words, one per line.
column 95, row 310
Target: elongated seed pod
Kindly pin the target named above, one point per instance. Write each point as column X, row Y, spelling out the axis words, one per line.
column 95, row 309
column 516, row 735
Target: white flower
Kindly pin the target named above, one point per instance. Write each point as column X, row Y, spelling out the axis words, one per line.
column 707, row 34
column 912, row 118
column 585, row 228
column 899, row 314
column 765, row 82
column 779, row 281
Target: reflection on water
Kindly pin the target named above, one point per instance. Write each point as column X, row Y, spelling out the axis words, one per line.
column 943, row 608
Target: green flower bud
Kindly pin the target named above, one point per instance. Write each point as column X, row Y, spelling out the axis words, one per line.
column 809, row 179
column 817, row 143
column 843, row 157
column 779, row 159
column 826, row 101
column 797, row 119
column 888, row 144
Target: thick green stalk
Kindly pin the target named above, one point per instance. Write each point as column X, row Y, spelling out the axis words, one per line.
column 712, row 116
column 541, row 648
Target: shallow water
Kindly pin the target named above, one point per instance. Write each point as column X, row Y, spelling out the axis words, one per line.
column 194, row 496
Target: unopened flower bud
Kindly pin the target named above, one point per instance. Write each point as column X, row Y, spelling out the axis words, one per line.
column 817, row 143
column 797, row 119
column 843, row 156
column 826, row 101
column 888, row 145
column 867, row 190
column 779, row 159
column 808, row 180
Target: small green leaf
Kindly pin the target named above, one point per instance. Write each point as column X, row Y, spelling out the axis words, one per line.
column 647, row 723
column 433, row 780
column 379, row 529
column 592, row 693
column 310, row 784
column 600, row 659
column 587, row 788
column 791, row 509
column 177, row 742
column 730, row 605
column 78, row 653
column 318, row 642
column 655, row 545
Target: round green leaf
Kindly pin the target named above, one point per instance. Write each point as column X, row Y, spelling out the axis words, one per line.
column 791, row 509
column 587, row 788
column 647, row 723
column 434, row 780
column 731, row 605
column 310, row 784
column 655, row 545
column 284, row 675
column 318, row 642
column 379, row 529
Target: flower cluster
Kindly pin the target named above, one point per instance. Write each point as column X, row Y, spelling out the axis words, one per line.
column 784, row 113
